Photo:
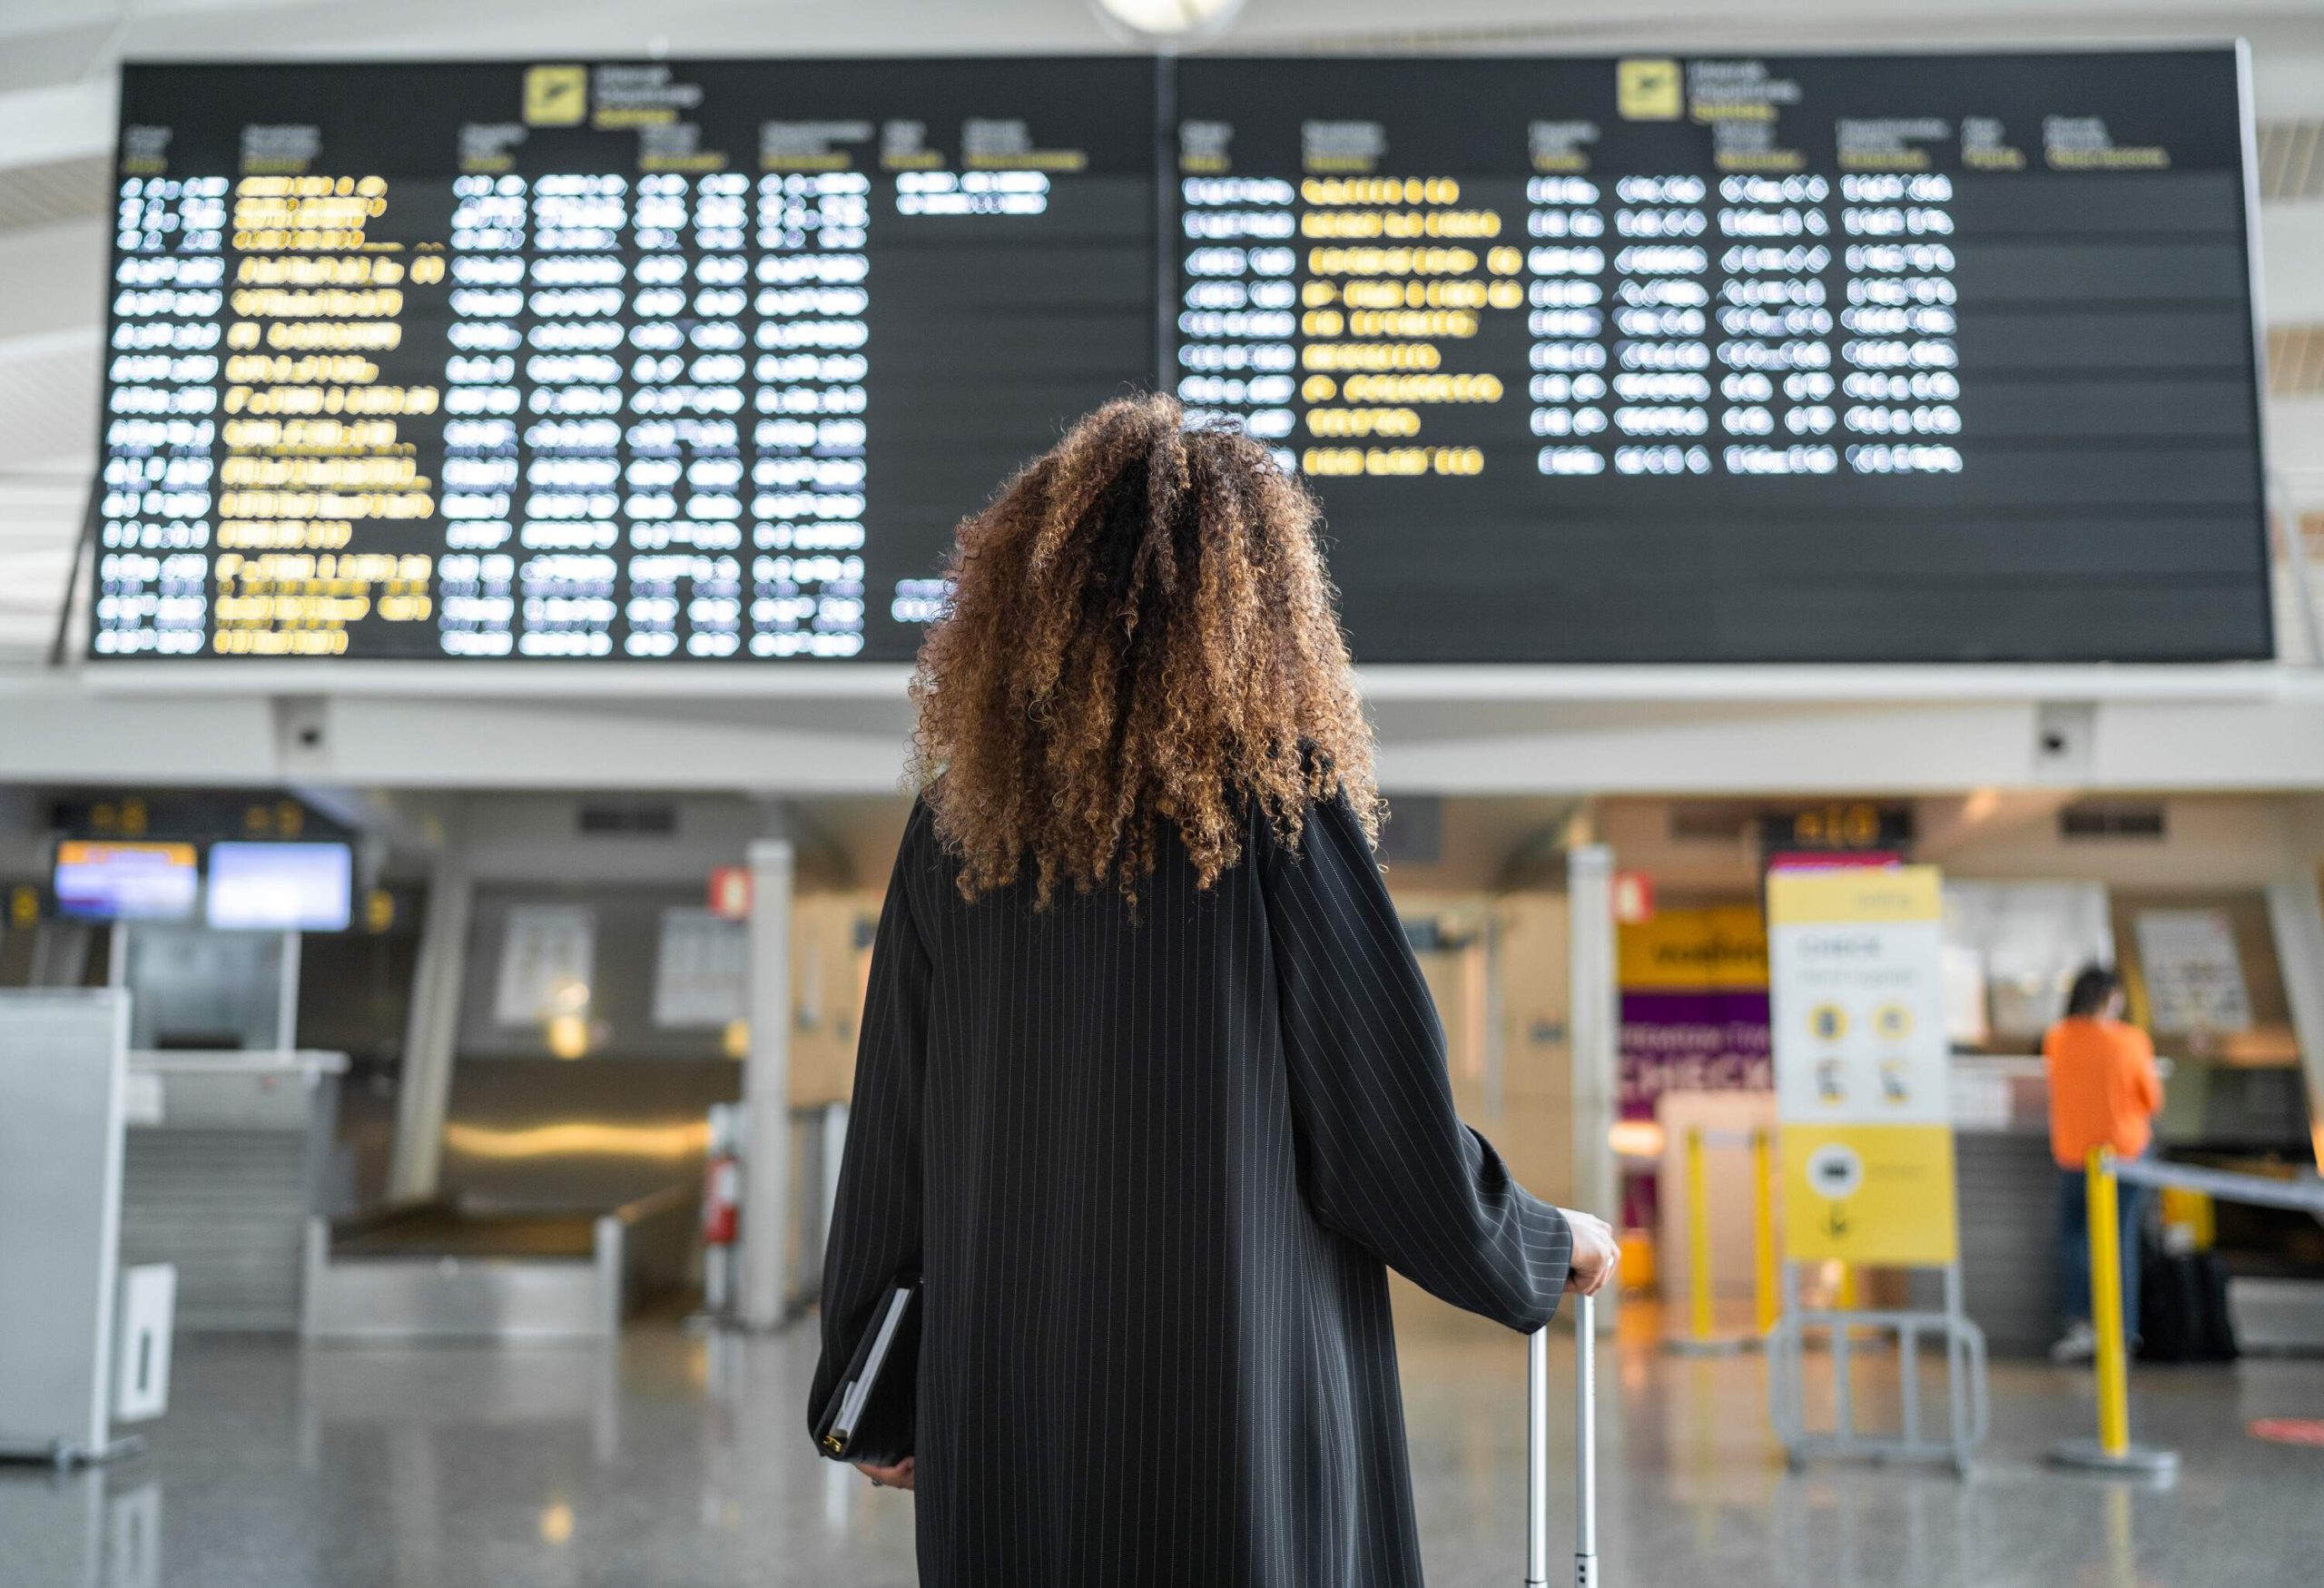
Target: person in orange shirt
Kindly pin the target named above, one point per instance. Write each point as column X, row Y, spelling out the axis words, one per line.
column 2103, row 1092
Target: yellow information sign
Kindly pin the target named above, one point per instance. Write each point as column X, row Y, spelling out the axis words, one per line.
column 1694, row 948
column 1856, row 992
column 556, row 96
column 1881, row 1194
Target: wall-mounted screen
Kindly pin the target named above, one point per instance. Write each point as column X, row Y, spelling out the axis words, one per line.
column 125, row 881
column 1799, row 358
column 279, row 887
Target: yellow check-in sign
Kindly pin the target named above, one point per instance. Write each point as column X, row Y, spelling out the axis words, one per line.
column 1862, row 1093
column 1878, row 1194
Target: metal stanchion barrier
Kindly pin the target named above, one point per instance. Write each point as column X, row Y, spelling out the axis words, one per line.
column 1767, row 1277
column 2111, row 1450
column 1847, row 1295
column 1698, row 1339
column 1701, row 1337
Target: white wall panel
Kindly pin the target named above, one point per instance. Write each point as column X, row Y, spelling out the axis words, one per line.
column 52, row 730
column 2291, row 281
column 2272, row 737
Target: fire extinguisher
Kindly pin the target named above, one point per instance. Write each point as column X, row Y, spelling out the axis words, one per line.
column 721, row 1203
column 721, row 1198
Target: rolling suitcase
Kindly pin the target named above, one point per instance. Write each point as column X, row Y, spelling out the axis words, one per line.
column 2183, row 1313
column 1585, row 1452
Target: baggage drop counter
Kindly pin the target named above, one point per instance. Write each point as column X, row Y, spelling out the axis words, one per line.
column 434, row 1271
column 2220, row 1117
column 226, row 1156
column 2008, row 1192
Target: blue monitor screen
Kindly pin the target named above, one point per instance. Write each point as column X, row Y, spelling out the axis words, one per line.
column 279, row 887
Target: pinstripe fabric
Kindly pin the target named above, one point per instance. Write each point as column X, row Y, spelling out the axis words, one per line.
column 1151, row 1170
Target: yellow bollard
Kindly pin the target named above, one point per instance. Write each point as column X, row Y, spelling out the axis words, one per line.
column 1699, row 1296
column 2106, row 1305
column 1697, row 1339
column 1845, row 1297
column 1764, row 1281
column 2112, row 1451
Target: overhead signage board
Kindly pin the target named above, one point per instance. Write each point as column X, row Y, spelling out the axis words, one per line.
column 1824, row 358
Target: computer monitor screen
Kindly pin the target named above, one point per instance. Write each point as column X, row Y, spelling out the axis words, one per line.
column 97, row 881
column 281, row 887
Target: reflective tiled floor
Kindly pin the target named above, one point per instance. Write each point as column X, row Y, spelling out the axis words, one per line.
column 679, row 1461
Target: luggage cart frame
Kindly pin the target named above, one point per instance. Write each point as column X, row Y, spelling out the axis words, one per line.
column 1968, row 1404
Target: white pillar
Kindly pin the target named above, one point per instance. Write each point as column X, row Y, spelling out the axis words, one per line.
column 1492, row 943
column 1595, row 1028
column 286, row 994
column 431, row 1031
column 2298, row 918
column 766, row 1089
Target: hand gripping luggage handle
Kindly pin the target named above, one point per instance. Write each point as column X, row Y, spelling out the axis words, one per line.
column 1585, row 1452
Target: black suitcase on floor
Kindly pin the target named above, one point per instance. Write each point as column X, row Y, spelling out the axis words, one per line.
column 2182, row 1308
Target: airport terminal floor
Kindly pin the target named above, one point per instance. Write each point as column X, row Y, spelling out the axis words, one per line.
column 680, row 1463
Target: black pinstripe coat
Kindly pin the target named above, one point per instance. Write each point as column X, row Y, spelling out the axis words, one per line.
column 1150, row 1168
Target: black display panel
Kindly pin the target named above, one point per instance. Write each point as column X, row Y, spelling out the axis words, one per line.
column 1935, row 358
column 653, row 361
column 1940, row 357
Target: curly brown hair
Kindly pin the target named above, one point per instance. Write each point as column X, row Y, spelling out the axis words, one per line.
column 1140, row 629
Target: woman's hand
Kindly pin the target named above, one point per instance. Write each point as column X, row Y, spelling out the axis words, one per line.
column 898, row 1476
column 1595, row 1253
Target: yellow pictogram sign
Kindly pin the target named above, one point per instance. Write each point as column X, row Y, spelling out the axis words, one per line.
column 556, row 96
column 1648, row 89
column 1880, row 1194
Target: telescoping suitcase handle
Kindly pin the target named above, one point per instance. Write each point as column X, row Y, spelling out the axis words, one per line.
column 1585, row 1452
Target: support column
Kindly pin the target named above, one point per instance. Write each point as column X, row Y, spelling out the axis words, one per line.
column 1496, row 1020
column 2298, row 919
column 431, row 1030
column 1595, row 1027
column 286, row 994
column 766, row 1089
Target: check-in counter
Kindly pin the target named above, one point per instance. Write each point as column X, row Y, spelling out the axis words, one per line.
column 226, row 1155
column 2007, row 1186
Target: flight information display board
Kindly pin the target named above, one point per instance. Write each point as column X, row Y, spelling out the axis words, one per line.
column 615, row 362
column 1832, row 358
column 1809, row 359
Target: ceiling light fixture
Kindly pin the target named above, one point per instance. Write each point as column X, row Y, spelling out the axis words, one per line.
column 1169, row 24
